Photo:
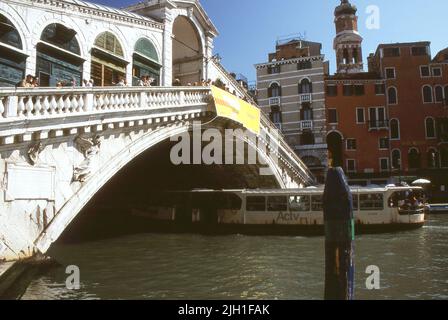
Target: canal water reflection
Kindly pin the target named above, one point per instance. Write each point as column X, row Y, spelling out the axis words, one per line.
column 414, row 265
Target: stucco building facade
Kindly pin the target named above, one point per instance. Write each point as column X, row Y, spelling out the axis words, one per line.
column 388, row 124
column 290, row 89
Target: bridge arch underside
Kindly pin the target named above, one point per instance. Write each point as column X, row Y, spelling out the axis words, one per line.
column 146, row 180
column 137, row 171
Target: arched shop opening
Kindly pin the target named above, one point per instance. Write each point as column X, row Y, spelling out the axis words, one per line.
column 12, row 59
column 334, row 141
column 145, row 62
column 58, row 56
column 187, row 52
column 108, row 63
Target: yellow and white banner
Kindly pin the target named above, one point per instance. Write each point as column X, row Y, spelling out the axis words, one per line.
column 230, row 106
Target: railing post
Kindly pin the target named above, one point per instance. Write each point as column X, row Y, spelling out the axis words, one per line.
column 2, row 107
column 11, row 106
column 143, row 100
column 88, row 102
column 182, row 97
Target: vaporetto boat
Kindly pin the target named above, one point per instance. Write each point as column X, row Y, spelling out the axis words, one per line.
column 289, row 212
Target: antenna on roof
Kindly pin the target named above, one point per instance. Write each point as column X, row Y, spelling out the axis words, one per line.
column 281, row 40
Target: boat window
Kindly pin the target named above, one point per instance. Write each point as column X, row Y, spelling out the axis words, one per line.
column 256, row 204
column 355, row 202
column 299, row 203
column 316, row 203
column 407, row 199
column 277, row 203
column 371, row 201
column 231, row 202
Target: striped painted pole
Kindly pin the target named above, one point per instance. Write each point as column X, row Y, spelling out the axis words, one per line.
column 339, row 237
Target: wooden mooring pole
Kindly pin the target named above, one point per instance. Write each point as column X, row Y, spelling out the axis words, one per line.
column 339, row 237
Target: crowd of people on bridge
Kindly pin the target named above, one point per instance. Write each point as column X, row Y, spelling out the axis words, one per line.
column 31, row 81
column 206, row 83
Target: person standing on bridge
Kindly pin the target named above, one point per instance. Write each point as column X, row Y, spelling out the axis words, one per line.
column 141, row 81
column 121, row 82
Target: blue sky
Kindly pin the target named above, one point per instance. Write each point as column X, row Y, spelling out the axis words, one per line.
column 249, row 28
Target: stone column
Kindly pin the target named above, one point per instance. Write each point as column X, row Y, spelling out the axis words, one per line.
column 167, row 54
column 360, row 54
column 87, row 68
column 31, row 60
column 129, row 73
column 208, row 55
column 350, row 56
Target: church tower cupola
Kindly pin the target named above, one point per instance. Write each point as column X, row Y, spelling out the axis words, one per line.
column 348, row 42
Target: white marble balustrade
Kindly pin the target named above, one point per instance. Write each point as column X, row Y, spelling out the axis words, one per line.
column 47, row 102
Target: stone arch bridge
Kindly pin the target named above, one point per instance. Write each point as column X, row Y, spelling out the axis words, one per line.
column 59, row 147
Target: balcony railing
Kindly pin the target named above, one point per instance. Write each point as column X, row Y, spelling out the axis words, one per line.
column 274, row 101
column 306, row 97
column 40, row 103
column 306, row 124
column 378, row 124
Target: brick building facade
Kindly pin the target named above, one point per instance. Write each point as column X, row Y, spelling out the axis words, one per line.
column 389, row 124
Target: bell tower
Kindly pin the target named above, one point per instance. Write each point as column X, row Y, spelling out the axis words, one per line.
column 348, row 41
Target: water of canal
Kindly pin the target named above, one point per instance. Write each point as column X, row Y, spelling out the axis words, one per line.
column 413, row 265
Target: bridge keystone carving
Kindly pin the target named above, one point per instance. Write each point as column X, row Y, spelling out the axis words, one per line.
column 89, row 147
column 34, row 152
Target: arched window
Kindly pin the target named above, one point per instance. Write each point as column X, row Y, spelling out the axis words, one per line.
column 394, row 129
column 12, row 60
column 433, row 158
column 414, row 159
column 430, row 128
column 427, row 94
column 305, row 86
column 335, row 153
column 276, row 116
column 439, row 93
column 145, row 62
column 346, row 56
column 355, row 55
column 62, row 37
column 306, row 113
column 9, row 34
column 396, row 159
column 108, row 64
column 59, row 58
column 187, row 51
column 109, row 42
column 274, row 90
column 145, row 48
column 392, row 95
